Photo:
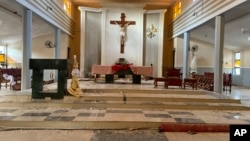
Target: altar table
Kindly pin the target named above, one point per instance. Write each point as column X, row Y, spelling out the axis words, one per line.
column 110, row 71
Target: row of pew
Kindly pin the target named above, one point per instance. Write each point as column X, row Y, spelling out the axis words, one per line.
column 206, row 81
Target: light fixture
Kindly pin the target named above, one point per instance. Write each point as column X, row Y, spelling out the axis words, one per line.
column 1, row 22
column 151, row 31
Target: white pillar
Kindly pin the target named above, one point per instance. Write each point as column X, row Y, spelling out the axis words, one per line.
column 218, row 51
column 57, row 43
column 185, row 69
column 57, row 49
column 27, row 44
column 82, row 47
column 160, row 42
column 103, row 36
column 84, row 11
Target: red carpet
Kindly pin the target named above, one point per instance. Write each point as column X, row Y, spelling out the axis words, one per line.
column 179, row 127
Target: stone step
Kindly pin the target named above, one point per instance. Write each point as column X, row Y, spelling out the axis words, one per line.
column 152, row 99
column 127, row 97
column 112, row 125
column 145, row 91
column 126, row 104
column 74, row 125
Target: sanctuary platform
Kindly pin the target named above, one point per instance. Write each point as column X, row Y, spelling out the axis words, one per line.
column 124, row 106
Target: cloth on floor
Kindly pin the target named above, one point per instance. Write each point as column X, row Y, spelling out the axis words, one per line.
column 9, row 77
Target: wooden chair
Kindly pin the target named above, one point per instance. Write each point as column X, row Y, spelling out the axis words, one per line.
column 227, row 82
column 173, row 78
column 174, row 73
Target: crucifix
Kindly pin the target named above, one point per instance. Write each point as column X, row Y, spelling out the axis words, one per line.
column 123, row 25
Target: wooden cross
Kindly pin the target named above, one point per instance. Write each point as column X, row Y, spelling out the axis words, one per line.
column 123, row 24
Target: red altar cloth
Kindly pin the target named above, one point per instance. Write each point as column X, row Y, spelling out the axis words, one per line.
column 142, row 70
column 138, row 70
column 98, row 69
column 120, row 67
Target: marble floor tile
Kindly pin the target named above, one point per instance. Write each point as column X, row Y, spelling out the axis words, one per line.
column 7, row 117
column 189, row 120
column 180, row 113
column 36, row 114
column 125, row 111
column 29, row 118
column 60, row 118
column 157, row 116
column 91, row 115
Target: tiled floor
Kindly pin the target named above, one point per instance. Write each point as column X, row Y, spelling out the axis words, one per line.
column 23, row 110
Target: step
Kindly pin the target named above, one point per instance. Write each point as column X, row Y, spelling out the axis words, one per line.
column 144, row 91
column 74, row 125
column 140, row 97
column 126, row 104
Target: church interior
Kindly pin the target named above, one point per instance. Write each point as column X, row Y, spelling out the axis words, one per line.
column 123, row 70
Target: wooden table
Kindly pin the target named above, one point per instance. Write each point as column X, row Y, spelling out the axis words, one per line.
column 110, row 71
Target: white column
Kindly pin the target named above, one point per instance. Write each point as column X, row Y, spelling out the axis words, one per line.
column 160, row 42
column 103, row 38
column 218, row 51
column 185, row 69
column 57, row 43
column 82, row 47
column 140, row 38
column 57, row 49
column 84, row 11
column 27, row 44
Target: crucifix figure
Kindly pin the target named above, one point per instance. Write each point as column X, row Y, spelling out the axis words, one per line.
column 123, row 25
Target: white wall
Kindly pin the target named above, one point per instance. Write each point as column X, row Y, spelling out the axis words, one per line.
column 138, row 50
column 245, row 57
column 205, row 55
column 133, row 50
column 204, row 58
column 38, row 50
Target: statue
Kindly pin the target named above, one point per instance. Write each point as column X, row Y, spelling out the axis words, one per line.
column 193, row 65
column 123, row 25
column 74, row 87
column 123, row 31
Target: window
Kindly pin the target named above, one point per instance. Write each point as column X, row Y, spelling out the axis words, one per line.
column 177, row 9
column 2, row 49
column 2, row 54
column 67, row 6
column 237, row 63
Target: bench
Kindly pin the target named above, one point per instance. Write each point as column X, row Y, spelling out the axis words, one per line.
column 159, row 79
column 190, row 82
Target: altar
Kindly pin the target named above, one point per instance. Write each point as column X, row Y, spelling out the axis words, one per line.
column 110, row 71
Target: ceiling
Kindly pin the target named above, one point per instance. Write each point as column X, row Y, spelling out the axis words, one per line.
column 11, row 18
column 149, row 4
column 236, row 19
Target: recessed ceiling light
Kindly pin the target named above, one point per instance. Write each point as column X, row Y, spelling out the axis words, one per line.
column 248, row 38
